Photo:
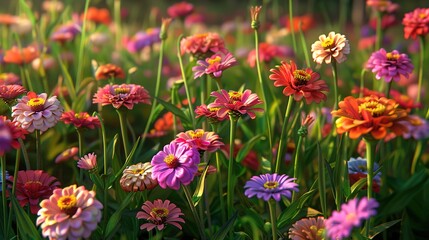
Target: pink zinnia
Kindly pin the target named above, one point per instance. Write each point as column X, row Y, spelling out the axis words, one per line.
column 9, row 79
column 180, row 10
column 159, row 214
column 88, row 162
column 80, row 120
column 390, row 65
column 308, row 228
column 121, row 95
column 267, row 53
column 10, row 92
column 301, row 83
column 416, row 23
column 200, row 139
column 214, row 65
column 10, row 133
column 37, row 112
column 202, row 45
column 69, row 213
column 70, row 153
column 210, row 113
column 33, row 186
column 334, row 46
column 176, row 164
column 236, row 103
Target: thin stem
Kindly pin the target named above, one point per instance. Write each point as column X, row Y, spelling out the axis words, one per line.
column 416, row 156
column 296, row 164
column 117, row 19
column 273, row 218
column 218, row 83
column 124, row 132
column 3, row 194
column 194, row 211
column 388, row 87
column 422, row 53
column 230, row 187
column 370, row 153
column 378, row 31
column 282, row 135
column 174, row 102
column 25, row 153
column 82, row 45
column 39, row 164
column 291, row 26
column 362, row 82
column 80, row 141
column 334, row 75
column 15, row 173
column 220, row 182
column 25, row 81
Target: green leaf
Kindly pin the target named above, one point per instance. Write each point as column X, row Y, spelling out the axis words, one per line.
column 26, row 227
column 381, row 228
column 127, row 162
column 28, row 12
column 322, row 180
column 356, row 187
column 221, row 234
column 294, row 209
column 266, row 165
column 175, row 110
column 200, row 187
column 116, row 217
column 247, row 147
column 68, row 79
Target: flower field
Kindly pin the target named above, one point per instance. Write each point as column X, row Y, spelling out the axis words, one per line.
column 214, row 120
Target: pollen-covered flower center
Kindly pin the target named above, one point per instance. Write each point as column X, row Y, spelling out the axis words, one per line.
column 122, row 90
column 214, row 109
column 235, row 96
column 392, row 56
column 215, row 60
column 36, row 104
column 422, row 15
column 327, row 43
column 68, row 204
column 160, row 212
column 196, row 135
column 375, row 108
column 351, row 217
column 301, row 77
column 362, row 168
column 271, row 184
column 138, row 171
column 171, row 161
column 81, row 115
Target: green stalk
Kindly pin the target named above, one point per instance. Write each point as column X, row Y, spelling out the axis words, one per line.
column 26, row 82
column 3, row 194
column 362, row 82
column 322, row 180
column 82, row 45
column 273, row 218
column 124, row 133
column 174, row 102
column 388, row 87
column 39, row 164
column 416, row 156
column 422, row 57
column 25, row 153
column 194, row 211
column 219, row 181
column 334, row 75
column 282, row 134
column 117, row 19
column 80, row 141
column 292, row 30
column 230, row 187
column 15, row 173
column 296, row 164
column 378, row 31
column 370, row 156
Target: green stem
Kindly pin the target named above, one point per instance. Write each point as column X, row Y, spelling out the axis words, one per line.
column 124, row 133
column 220, row 182
column 15, row 173
column 80, row 141
column 117, row 19
column 334, row 75
column 378, row 31
column 230, row 187
column 362, row 82
column 218, row 83
column 174, row 102
column 291, row 26
column 39, row 164
column 25, row 153
column 3, row 194
column 273, row 218
column 282, row 134
column 422, row 53
column 370, row 153
column 297, row 163
column 26, row 82
column 194, row 211
column 416, row 156
column 388, row 87
column 82, row 45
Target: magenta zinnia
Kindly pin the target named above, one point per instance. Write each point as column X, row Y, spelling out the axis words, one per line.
column 159, row 214
column 390, row 65
column 121, row 95
column 69, row 213
column 200, row 139
column 334, row 46
column 214, row 65
column 80, row 120
column 210, row 113
column 176, row 164
column 270, row 186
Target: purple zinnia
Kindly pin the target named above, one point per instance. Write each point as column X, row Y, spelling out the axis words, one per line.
column 418, row 128
column 357, row 168
column 214, row 65
column 268, row 186
column 390, row 65
column 352, row 213
column 143, row 39
column 176, row 164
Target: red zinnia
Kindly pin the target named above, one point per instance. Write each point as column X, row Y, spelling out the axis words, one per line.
column 108, row 71
column 10, row 132
column 80, row 120
column 181, row 10
column 97, row 15
column 416, row 23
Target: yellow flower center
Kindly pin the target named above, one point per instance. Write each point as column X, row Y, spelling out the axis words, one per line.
column 271, row 184
column 197, row 134
column 375, row 108
column 212, row 61
column 235, row 96
column 301, row 77
column 138, row 171
column 36, row 104
column 171, row 161
column 327, row 43
column 392, row 56
column 361, row 167
column 350, row 217
column 201, row 35
column 81, row 115
column 313, row 228
column 214, row 109
column 422, row 15
column 122, row 90
column 68, row 204
column 32, row 184
column 160, row 212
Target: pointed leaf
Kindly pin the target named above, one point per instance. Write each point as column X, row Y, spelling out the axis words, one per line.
column 381, row 228
column 221, row 234
column 26, row 227
column 294, row 209
column 127, row 162
column 200, row 187
column 247, row 147
column 175, row 110
column 116, row 217
column 356, row 187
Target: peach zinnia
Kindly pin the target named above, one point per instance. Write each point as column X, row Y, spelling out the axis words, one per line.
column 334, row 46
column 121, row 95
column 202, row 45
column 21, row 56
column 301, row 83
column 370, row 117
column 108, row 71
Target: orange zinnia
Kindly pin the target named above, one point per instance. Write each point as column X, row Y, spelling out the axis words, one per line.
column 370, row 116
column 98, row 15
column 21, row 56
column 7, row 19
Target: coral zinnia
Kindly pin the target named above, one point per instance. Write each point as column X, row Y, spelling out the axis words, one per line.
column 299, row 82
column 390, row 65
column 10, row 132
column 108, row 71
column 176, row 164
column 69, row 213
column 159, row 214
column 210, row 113
column 138, row 177
column 334, row 46
column 37, row 112
column 180, row 10
column 97, row 15
column 236, row 103
column 88, row 162
column 214, row 65
column 200, row 139
column 10, row 92
column 267, row 52
column 416, row 23
column 33, row 186
column 20, row 56
column 202, row 45
column 268, row 186
column 80, row 120
column 308, row 228
column 121, row 95
column 369, row 116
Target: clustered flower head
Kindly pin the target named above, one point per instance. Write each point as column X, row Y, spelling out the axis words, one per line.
column 200, row 139
column 159, row 214
column 138, row 177
column 69, row 213
column 270, row 186
column 301, row 83
column 108, row 71
column 80, row 120
column 20, row 56
column 267, row 53
column 202, row 45
column 180, row 10
column 308, row 228
column 370, row 116
column 10, row 133
column 235, row 103
column 416, row 23
column 121, row 95
column 33, row 186
column 8, row 93
column 70, row 153
column 209, row 113
column 88, row 162
column 214, row 65
column 390, row 65
column 357, row 168
column 37, row 112
column 143, row 39
column 334, row 46
column 176, row 164
column 352, row 213
column 418, row 128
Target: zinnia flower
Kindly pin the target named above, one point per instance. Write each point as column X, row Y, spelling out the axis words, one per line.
column 299, row 82
column 210, row 113
column 379, row 5
column 121, row 95
column 390, row 65
column 357, row 168
column 418, row 128
column 109, row 71
column 334, row 46
column 308, row 228
column 236, row 103
column 267, row 53
column 37, row 112
column 416, row 23
column 66, row 32
column 180, row 10
column 143, row 39
column 138, row 177
column 200, row 139
column 202, row 45
column 268, row 186
column 214, row 65
column 69, row 213
column 9, row 79
column 70, row 153
column 176, row 164
column 404, row 101
column 80, row 120
column 33, row 186
column 20, row 56
column 97, row 15
column 88, row 162
column 352, row 213
column 10, row 132
column 369, row 116
column 10, row 92
column 159, row 214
